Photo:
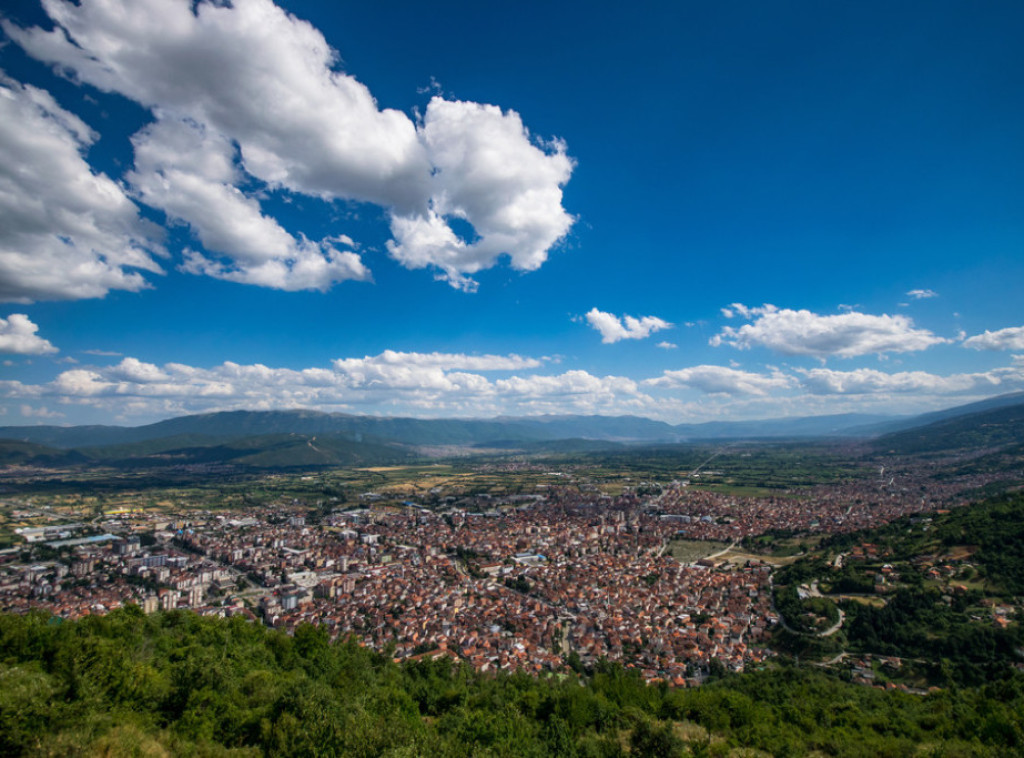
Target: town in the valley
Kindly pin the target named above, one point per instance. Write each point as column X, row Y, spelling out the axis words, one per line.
column 553, row 573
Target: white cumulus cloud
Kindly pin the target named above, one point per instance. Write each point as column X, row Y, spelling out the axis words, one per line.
column 1011, row 338
column 248, row 75
column 439, row 371
column 844, row 335
column 922, row 294
column 29, row 412
column 715, row 380
column 188, row 172
column 134, row 370
column 614, row 328
column 66, row 231
column 248, row 70
column 488, row 173
column 872, row 382
column 18, row 336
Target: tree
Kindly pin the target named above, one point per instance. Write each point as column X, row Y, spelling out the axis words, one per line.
column 654, row 741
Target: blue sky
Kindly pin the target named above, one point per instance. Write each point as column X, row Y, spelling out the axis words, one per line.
column 451, row 209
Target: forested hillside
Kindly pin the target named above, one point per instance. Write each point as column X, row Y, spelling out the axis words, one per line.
column 999, row 427
column 175, row 683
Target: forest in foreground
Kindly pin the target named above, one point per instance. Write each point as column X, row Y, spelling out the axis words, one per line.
column 127, row 684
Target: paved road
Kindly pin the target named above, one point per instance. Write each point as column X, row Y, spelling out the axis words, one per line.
column 815, row 592
column 723, row 551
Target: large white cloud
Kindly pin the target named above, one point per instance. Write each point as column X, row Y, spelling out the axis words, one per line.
column 18, row 335
column 723, row 380
column 249, row 70
column 614, row 328
column 188, row 172
column 1011, row 338
column 843, row 335
column 66, row 231
column 488, row 173
column 249, row 74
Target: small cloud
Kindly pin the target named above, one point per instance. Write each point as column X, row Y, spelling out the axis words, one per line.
column 922, row 294
column 342, row 239
column 433, row 88
column 18, row 336
column 1011, row 338
column 29, row 412
column 739, row 309
column 614, row 328
column 107, row 353
column 667, row 345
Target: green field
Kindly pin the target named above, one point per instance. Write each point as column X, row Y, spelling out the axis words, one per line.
column 688, row 551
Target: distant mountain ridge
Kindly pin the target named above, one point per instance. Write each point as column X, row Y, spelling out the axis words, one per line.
column 314, row 438
column 994, row 426
column 924, row 419
column 229, row 425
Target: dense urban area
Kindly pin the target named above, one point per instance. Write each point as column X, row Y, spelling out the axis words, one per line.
column 563, row 576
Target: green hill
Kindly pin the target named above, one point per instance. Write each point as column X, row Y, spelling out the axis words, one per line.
column 17, row 453
column 265, row 451
column 999, row 427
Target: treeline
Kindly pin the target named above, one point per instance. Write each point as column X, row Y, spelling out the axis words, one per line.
column 175, row 683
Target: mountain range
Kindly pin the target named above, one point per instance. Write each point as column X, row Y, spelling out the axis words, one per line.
column 288, row 438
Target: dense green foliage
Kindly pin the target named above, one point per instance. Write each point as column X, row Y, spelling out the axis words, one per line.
column 128, row 684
